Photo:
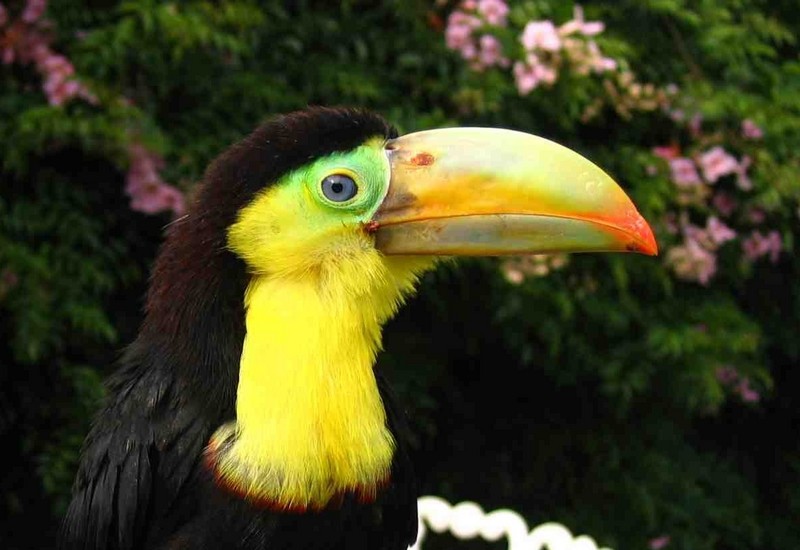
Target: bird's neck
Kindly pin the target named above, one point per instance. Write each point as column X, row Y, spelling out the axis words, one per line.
column 310, row 424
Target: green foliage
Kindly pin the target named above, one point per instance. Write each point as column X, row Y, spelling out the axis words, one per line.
column 591, row 395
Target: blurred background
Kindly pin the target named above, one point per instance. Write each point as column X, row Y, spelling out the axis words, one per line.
column 651, row 403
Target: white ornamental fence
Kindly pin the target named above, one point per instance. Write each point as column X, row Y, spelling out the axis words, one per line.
column 467, row 520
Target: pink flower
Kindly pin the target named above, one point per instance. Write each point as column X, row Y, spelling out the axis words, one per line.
column 750, row 130
column 718, row 231
column 57, row 70
column 540, row 35
column 758, row 245
column 579, row 25
column 460, row 27
column 716, row 162
column 545, row 73
column 742, row 179
column 525, row 78
column 659, row 542
column 692, row 262
column 493, row 11
column 34, row 9
column 54, row 64
column 529, row 75
column 61, row 91
column 491, row 52
column 597, row 61
column 469, row 51
column 683, row 172
column 727, row 375
column 667, row 152
column 724, row 203
column 33, row 46
column 158, row 198
column 747, row 393
column 148, row 192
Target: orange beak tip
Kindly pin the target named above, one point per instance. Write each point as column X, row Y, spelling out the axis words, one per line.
column 647, row 241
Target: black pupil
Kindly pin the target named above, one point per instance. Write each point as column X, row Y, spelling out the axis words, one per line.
column 339, row 188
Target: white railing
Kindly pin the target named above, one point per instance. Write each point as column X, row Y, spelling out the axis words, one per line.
column 467, row 520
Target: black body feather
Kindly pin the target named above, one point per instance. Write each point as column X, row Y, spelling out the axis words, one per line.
column 142, row 483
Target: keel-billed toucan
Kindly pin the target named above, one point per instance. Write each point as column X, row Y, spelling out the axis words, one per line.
column 247, row 413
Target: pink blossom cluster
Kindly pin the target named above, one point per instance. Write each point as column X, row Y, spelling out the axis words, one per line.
column 730, row 377
column 462, row 33
column 714, row 164
column 143, row 184
column 695, row 259
column 757, row 245
column 659, row 542
column 548, row 48
column 692, row 262
column 27, row 41
column 683, row 172
column 717, row 163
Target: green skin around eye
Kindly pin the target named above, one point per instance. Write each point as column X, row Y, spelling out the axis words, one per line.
column 293, row 219
column 367, row 165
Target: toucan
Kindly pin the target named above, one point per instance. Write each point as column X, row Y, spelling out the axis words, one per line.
column 248, row 413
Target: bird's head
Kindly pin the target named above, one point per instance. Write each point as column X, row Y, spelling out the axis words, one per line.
column 375, row 199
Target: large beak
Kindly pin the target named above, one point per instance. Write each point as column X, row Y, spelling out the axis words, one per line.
column 485, row 192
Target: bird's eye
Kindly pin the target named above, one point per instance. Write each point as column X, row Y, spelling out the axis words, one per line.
column 339, row 188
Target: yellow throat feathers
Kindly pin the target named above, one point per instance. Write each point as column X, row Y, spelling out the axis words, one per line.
column 310, row 423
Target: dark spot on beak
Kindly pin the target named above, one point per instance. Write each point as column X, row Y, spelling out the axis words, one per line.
column 422, row 159
column 402, row 200
column 395, row 201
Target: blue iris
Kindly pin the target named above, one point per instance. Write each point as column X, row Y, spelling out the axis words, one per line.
column 339, row 188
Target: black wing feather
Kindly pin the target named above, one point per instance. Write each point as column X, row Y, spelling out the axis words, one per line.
column 145, row 443
column 128, row 493
column 102, row 500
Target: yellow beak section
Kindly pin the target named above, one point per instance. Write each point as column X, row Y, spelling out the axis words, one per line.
column 487, row 192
